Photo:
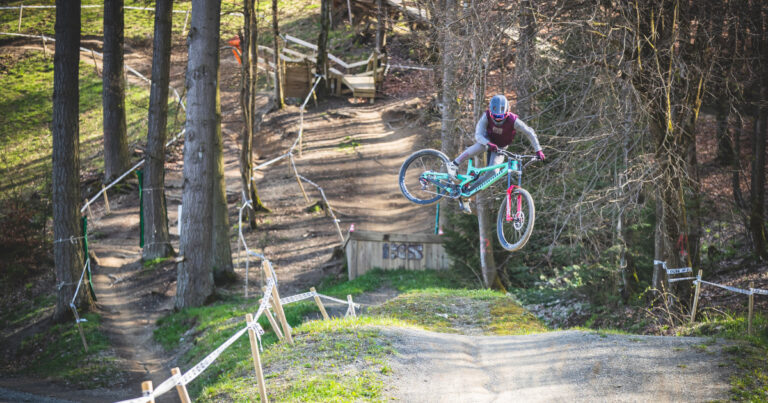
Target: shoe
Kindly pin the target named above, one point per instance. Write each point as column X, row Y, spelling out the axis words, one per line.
column 452, row 170
column 464, row 207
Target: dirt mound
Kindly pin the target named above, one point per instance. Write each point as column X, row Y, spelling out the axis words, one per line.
column 557, row 366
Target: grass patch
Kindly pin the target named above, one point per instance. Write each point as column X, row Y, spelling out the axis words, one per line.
column 25, row 133
column 401, row 280
column 749, row 354
column 461, row 311
column 334, row 361
column 35, row 309
column 349, row 144
column 58, row 354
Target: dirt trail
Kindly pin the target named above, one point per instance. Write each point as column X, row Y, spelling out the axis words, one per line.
column 557, row 366
column 354, row 153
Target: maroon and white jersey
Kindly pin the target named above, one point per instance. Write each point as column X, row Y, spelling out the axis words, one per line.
column 502, row 135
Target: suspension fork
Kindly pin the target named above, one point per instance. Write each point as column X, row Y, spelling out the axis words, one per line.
column 519, row 207
column 511, row 188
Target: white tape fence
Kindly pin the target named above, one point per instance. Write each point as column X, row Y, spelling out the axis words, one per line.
column 697, row 281
column 270, row 299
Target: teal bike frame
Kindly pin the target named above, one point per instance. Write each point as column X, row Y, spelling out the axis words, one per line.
column 506, row 169
column 464, row 189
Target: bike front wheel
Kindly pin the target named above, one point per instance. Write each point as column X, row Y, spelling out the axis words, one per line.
column 514, row 234
column 423, row 176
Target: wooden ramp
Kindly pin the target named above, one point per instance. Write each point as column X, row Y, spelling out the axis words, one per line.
column 362, row 86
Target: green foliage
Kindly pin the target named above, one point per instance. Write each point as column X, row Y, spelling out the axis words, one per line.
column 349, row 143
column 23, row 234
column 34, row 309
column 463, row 246
column 749, row 353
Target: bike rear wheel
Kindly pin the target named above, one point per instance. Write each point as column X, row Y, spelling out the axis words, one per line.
column 422, row 189
column 513, row 235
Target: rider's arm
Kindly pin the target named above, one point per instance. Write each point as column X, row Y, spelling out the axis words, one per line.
column 480, row 135
column 521, row 127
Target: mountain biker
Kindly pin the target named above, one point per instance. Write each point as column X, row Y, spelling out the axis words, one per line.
column 495, row 130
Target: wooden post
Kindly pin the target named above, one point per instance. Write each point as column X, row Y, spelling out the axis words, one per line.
column 181, row 388
column 296, row 173
column 146, row 390
column 320, row 304
column 80, row 328
column 95, row 65
column 278, row 306
column 351, row 306
column 107, row 210
column 301, row 131
column 696, row 297
column 186, row 19
column 751, row 306
column 272, row 322
column 256, row 360
column 45, row 48
column 88, row 209
column 21, row 10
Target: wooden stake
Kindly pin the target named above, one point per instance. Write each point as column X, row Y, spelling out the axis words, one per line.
column 256, row 361
column 88, row 209
column 146, row 390
column 95, row 65
column 186, row 18
column 182, row 389
column 751, row 307
column 80, row 328
column 21, row 10
column 278, row 306
column 45, row 48
column 301, row 132
column 106, row 200
column 296, row 173
column 272, row 322
column 696, row 297
column 320, row 304
column 351, row 306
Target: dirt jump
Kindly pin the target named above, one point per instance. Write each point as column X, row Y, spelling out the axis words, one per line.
column 571, row 366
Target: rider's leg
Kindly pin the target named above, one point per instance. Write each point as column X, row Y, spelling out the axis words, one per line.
column 471, row 151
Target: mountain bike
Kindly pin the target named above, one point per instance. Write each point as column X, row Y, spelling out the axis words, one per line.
column 424, row 179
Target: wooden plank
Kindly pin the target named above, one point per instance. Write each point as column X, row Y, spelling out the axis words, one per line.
column 381, row 237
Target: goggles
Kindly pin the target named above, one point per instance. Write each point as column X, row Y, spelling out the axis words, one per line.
column 498, row 116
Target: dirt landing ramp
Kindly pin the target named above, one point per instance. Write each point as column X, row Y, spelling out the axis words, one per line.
column 558, row 366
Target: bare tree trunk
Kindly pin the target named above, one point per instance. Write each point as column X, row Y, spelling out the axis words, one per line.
column 724, row 147
column 195, row 278
column 279, row 101
column 381, row 32
column 526, row 52
column 484, row 199
column 757, row 208
column 221, row 259
column 323, row 88
column 157, row 243
column 658, row 245
column 450, row 105
column 248, row 106
column 116, row 155
column 67, row 255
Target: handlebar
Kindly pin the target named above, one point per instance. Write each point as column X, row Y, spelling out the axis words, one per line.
column 519, row 157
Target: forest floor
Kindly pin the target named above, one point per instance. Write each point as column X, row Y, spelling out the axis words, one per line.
column 354, row 150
